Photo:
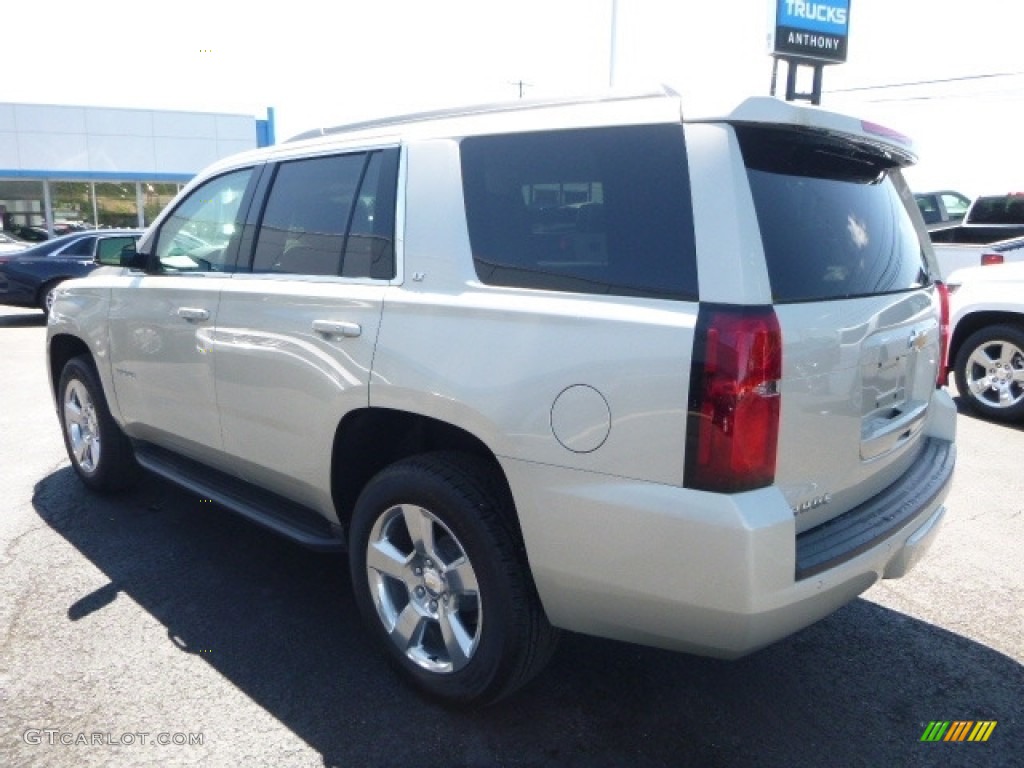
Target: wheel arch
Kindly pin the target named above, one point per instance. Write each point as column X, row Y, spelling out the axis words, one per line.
column 62, row 348
column 368, row 440
column 970, row 324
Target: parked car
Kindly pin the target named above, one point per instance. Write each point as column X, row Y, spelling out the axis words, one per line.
column 942, row 208
column 986, row 353
column 992, row 232
column 30, row 234
column 29, row 277
column 10, row 243
column 582, row 365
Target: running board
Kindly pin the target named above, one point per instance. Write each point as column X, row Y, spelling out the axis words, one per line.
column 293, row 521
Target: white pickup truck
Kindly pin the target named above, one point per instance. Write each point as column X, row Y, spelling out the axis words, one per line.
column 992, row 232
column 986, row 351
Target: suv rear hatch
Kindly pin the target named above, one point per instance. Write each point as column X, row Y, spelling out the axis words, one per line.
column 857, row 309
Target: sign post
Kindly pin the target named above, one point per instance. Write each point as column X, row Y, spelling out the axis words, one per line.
column 808, row 33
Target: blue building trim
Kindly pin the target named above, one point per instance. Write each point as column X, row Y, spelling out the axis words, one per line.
column 40, row 175
column 266, row 130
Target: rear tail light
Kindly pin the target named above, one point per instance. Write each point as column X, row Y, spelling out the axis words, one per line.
column 944, row 292
column 733, row 424
column 988, row 259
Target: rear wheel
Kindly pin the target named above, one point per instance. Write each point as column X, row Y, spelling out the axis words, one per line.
column 990, row 372
column 99, row 451
column 47, row 296
column 442, row 580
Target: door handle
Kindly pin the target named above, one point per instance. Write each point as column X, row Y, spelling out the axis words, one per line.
column 193, row 313
column 337, row 328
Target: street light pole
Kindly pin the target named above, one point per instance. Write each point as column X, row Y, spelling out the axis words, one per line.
column 613, row 55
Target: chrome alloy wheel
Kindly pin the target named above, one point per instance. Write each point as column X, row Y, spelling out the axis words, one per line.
column 82, row 425
column 424, row 588
column 995, row 374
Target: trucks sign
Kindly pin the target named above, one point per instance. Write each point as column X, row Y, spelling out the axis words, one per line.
column 814, row 30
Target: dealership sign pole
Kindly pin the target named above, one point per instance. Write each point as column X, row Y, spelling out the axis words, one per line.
column 808, row 33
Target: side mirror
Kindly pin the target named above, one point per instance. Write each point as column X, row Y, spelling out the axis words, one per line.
column 120, row 252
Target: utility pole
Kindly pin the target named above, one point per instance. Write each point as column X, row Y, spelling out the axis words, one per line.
column 521, row 85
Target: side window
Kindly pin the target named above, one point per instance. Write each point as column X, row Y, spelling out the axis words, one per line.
column 82, row 247
column 196, row 237
column 929, row 210
column 330, row 216
column 956, row 206
column 603, row 210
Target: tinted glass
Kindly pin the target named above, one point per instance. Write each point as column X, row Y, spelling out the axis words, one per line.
column 1002, row 209
column 81, row 247
column 602, row 211
column 833, row 221
column 307, row 215
column 369, row 250
column 196, row 237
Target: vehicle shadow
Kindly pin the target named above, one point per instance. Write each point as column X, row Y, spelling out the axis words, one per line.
column 27, row 320
column 858, row 688
column 964, row 410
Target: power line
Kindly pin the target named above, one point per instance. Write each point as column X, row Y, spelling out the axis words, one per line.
column 927, row 82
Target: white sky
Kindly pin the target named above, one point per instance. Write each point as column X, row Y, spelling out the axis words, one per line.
column 325, row 63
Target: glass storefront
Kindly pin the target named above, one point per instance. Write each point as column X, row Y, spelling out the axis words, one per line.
column 28, row 207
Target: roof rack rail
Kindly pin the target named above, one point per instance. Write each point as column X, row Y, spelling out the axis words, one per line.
column 483, row 109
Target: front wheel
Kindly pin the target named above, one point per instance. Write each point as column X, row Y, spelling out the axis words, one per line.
column 441, row 578
column 990, row 372
column 99, row 451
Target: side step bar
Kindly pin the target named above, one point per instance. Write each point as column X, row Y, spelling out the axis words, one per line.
column 291, row 520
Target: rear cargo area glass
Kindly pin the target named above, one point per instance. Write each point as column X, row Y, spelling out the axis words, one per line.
column 832, row 220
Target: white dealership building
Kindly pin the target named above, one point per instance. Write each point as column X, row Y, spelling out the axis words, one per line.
column 66, row 166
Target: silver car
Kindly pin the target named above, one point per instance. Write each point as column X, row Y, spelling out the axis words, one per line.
column 601, row 366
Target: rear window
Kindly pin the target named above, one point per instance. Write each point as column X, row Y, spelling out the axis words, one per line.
column 833, row 220
column 603, row 210
column 1002, row 209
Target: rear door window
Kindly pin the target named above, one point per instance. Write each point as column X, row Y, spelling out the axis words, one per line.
column 604, row 211
column 833, row 216
column 331, row 216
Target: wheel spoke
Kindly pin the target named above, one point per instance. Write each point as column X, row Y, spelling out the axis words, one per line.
column 92, row 454
column 385, row 558
column 981, row 357
column 979, row 386
column 421, row 529
column 1007, row 353
column 462, row 578
column 80, row 446
column 457, row 641
column 408, row 631
column 72, row 411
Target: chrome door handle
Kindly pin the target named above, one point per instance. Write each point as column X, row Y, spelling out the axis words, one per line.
column 337, row 328
column 193, row 313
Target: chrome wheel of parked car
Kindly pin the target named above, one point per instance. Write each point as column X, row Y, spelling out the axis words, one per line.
column 441, row 579
column 81, row 426
column 424, row 588
column 990, row 372
column 99, row 451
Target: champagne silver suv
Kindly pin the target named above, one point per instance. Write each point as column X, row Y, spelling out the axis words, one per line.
column 596, row 365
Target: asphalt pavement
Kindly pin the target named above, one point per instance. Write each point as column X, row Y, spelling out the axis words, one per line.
column 153, row 628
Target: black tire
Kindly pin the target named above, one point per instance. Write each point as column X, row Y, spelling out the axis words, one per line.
column 460, row 644
column 99, row 451
column 989, row 372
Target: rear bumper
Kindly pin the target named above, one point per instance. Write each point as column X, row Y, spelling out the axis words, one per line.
column 714, row 574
